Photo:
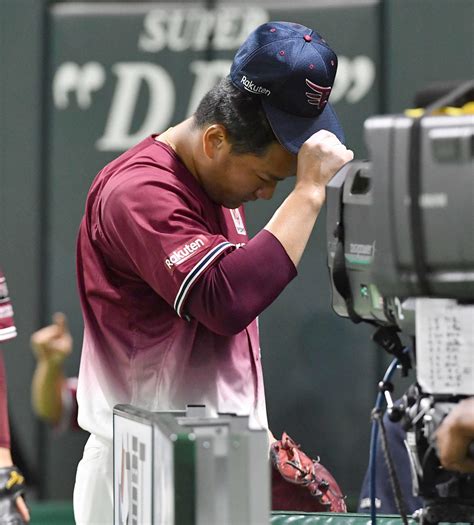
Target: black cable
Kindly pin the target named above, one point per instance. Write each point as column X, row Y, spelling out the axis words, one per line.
column 430, row 450
column 397, row 492
column 373, row 440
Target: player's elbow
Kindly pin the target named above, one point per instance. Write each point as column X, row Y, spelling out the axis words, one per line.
column 228, row 321
column 216, row 305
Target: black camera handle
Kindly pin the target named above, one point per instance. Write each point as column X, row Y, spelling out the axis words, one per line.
column 339, row 272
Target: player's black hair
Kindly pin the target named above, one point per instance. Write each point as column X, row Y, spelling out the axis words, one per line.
column 240, row 113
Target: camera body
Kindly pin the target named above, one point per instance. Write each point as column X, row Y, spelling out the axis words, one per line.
column 400, row 240
column 373, row 201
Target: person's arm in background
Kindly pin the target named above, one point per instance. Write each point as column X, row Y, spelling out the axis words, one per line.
column 51, row 346
column 454, row 436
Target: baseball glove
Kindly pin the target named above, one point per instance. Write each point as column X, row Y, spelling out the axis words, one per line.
column 300, row 483
column 11, row 486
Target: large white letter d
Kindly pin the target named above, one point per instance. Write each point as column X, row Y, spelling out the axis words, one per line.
column 117, row 135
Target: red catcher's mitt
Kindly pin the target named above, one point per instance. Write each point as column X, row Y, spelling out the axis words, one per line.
column 300, row 483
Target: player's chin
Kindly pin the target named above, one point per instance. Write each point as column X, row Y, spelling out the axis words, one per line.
column 237, row 203
column 232, row 205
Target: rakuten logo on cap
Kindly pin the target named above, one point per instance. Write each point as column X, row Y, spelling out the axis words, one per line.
column 253, row 88
column 184, row 252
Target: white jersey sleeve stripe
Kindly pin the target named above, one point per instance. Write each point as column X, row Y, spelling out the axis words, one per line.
column 197, row 270
column 7, row 333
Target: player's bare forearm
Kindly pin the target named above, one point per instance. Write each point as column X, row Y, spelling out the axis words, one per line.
column 51, row 346
column 294, row 220
column 319, row 159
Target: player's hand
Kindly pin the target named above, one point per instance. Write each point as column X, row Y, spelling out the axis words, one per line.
column 319, row 159
column 54, row 342
column 22, row 509
column 454, row 436
column 11, row 488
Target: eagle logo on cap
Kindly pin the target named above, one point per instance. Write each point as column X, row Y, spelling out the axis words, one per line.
column 319, row 94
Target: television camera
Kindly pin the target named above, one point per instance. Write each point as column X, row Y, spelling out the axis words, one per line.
column 400, row 236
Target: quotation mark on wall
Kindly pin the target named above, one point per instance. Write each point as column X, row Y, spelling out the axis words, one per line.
column 355, row 78
column 70, row 78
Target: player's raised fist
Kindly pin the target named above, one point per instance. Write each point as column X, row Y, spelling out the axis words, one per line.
column 53, row 342
column 320, row 158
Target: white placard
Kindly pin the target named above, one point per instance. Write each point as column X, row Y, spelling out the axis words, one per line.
column 445, row 346
column 132, row 472
column 163, row 491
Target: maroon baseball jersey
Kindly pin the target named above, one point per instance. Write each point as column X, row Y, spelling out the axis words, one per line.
column 7, row 331
column 7, row 325
column 149, row 234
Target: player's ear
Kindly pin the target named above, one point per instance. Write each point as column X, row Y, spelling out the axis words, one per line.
column 215, row 141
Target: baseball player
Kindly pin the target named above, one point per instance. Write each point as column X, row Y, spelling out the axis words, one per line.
column 170, row 285
column 13, row 510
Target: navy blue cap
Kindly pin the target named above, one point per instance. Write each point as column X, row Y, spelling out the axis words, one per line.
column 292, row 69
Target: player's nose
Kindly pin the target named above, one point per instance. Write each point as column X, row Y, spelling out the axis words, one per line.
column 266, row 192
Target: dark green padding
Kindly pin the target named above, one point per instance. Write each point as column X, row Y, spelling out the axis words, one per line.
column 302, row 518
column 52, row 513
column 61, row 513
